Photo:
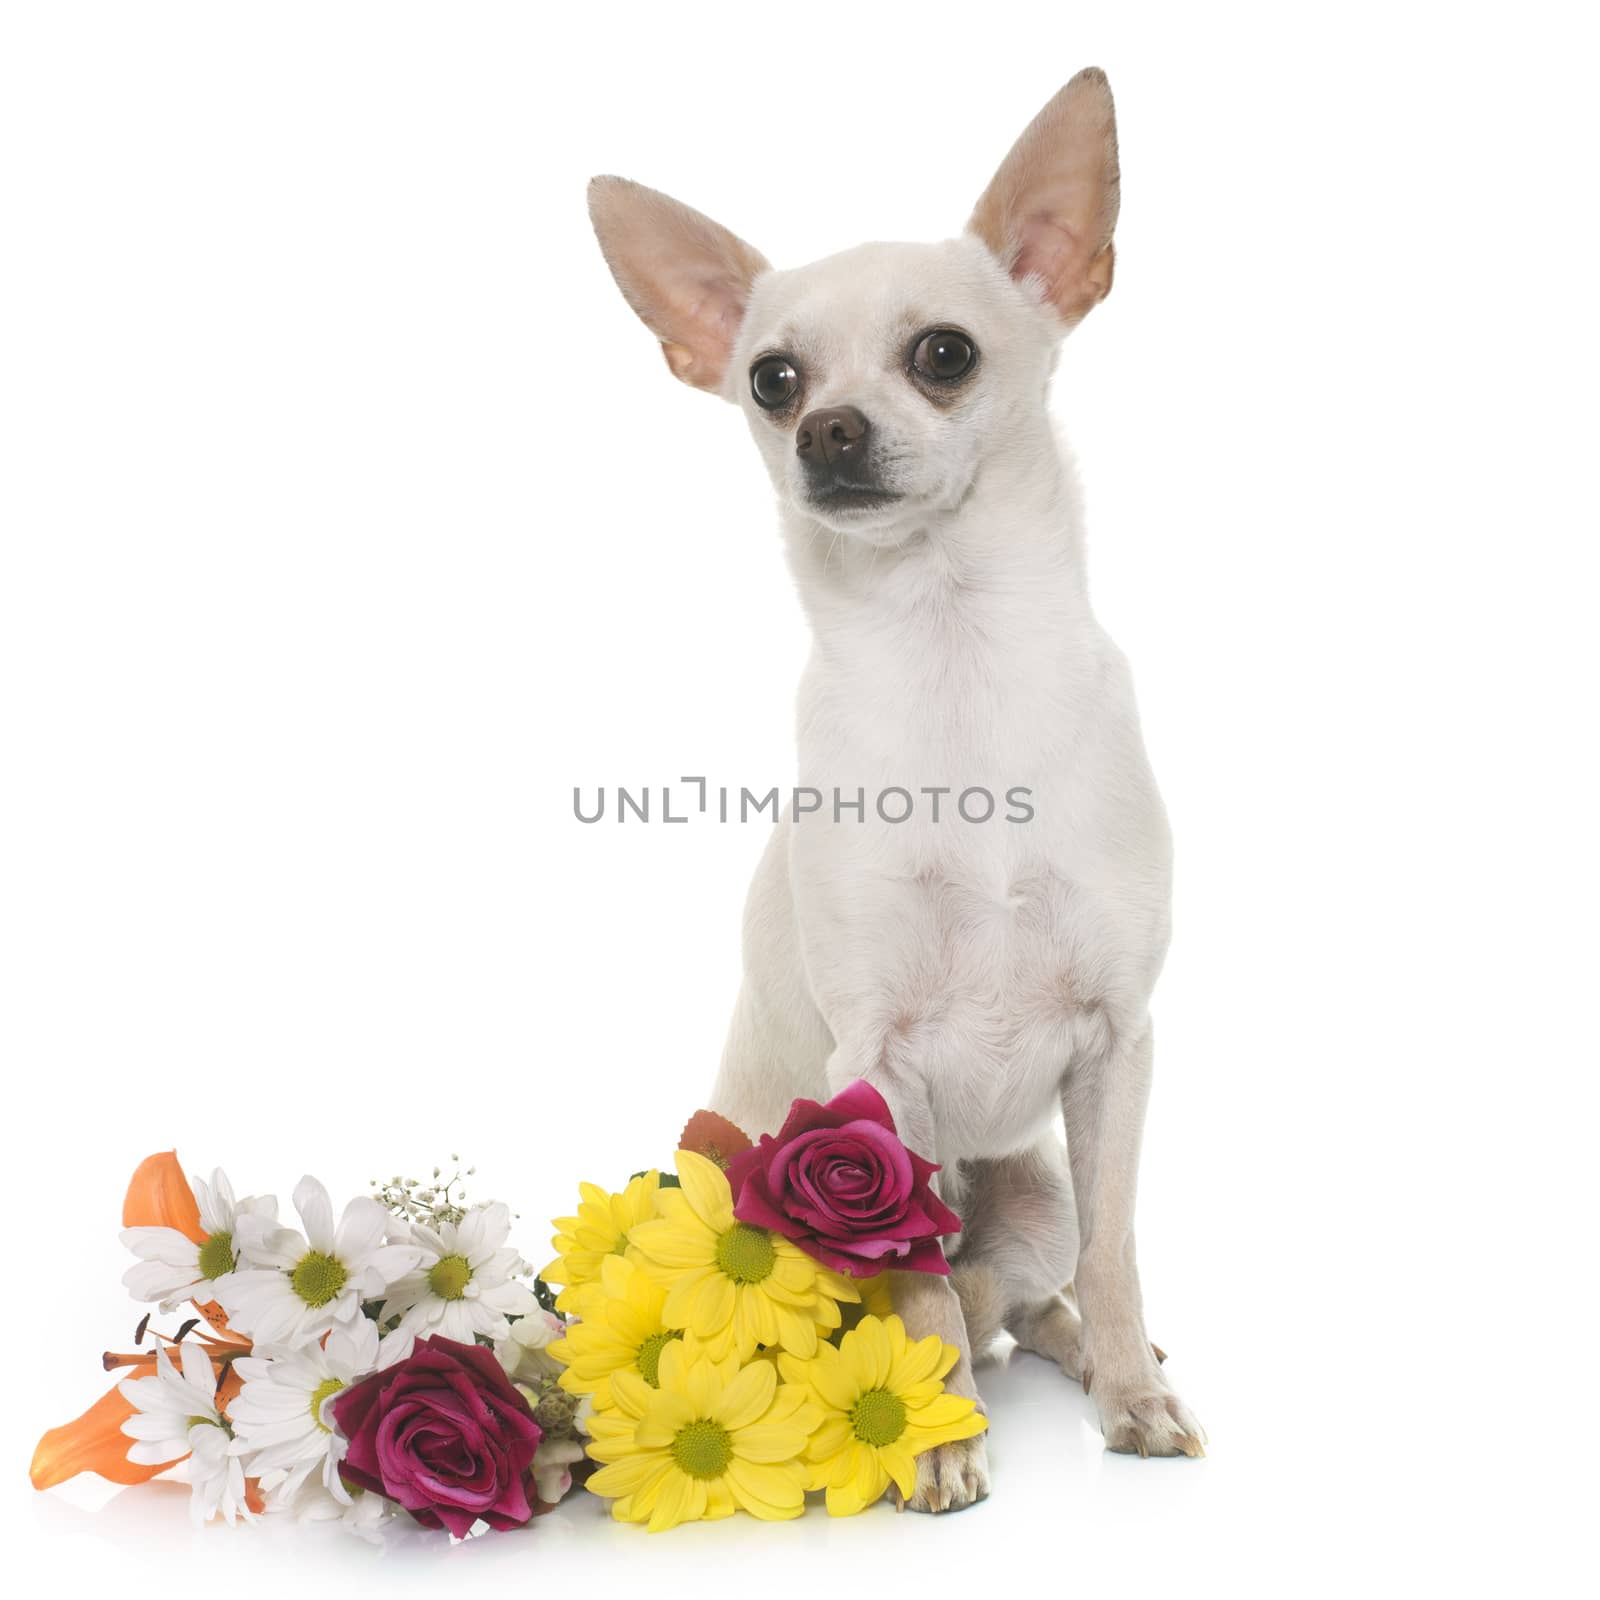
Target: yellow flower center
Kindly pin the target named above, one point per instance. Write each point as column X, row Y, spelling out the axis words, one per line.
column 648, row 1360
column 318, row 1395
column 745, row 1253
column 702, row 1449
column 216, row 1256
column 620, row 1248
column 318, row 1278
column 878, row 1417
column 449, row 1277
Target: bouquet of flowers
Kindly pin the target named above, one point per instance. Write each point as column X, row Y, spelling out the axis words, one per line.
column 723, row 1339
column 390, row 1360
column 734, row 1331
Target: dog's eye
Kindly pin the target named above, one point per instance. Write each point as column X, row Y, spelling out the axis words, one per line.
column 774, row 382
column 944, row 355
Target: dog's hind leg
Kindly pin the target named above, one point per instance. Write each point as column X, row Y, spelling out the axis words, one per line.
column 1019, row 1245
column 982, row 1294
column 1052, row 1329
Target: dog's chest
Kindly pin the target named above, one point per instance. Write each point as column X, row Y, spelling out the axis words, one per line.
column 980, row 956
column 980, row 968
column 1005, row 985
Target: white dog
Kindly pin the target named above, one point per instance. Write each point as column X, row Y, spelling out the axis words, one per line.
column 987, row 975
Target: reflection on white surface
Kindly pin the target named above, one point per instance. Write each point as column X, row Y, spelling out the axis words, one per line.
column 1045, row 1449
column 1295, row 1492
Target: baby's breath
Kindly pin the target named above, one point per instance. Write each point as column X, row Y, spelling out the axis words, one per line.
column 441, row 1199
column 438, row 1200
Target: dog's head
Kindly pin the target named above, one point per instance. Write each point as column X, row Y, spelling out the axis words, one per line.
column 877, row 382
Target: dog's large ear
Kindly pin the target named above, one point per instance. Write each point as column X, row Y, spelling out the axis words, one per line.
column 1051, row 209
column 686, row 276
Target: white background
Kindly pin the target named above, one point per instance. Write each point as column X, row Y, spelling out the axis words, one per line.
column 350, row 520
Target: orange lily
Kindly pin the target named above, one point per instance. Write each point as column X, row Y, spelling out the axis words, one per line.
column 94, row 1443
column 222, row 1353
column 158, row 1196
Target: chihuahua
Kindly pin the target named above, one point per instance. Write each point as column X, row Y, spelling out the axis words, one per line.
column 987, row 977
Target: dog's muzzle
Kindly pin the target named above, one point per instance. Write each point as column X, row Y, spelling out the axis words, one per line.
column 834, row 445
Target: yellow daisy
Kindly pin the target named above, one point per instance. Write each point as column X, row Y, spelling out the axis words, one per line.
column 602, row 1227
column 875, row 1295
column 621, row 1331
column 734, row 1286
column 711, row 1437
column 882, row 1403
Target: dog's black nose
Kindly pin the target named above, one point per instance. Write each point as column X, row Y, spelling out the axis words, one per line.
column 832, row 436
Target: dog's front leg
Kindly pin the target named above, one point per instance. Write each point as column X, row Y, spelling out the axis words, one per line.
column 949, row 1476
column 1103, row 1101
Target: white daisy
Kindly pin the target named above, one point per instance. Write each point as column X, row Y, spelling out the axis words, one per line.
column 175, row 1415
column 368, row 1515
column 216, row 1477
column 172, row 1267
column 462, row 1285
column 169, row 1404
column 281, row 1421
column 291, row 1288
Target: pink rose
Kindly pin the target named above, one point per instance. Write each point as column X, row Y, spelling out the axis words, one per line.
column 445, row 1434
column 837, row 1180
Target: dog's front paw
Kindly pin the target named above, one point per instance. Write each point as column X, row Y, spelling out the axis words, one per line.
column 951, row 1476
column 1148, row 1419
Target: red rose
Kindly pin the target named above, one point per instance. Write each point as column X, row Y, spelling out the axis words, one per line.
column 837, row 1180
column 445, row 1434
